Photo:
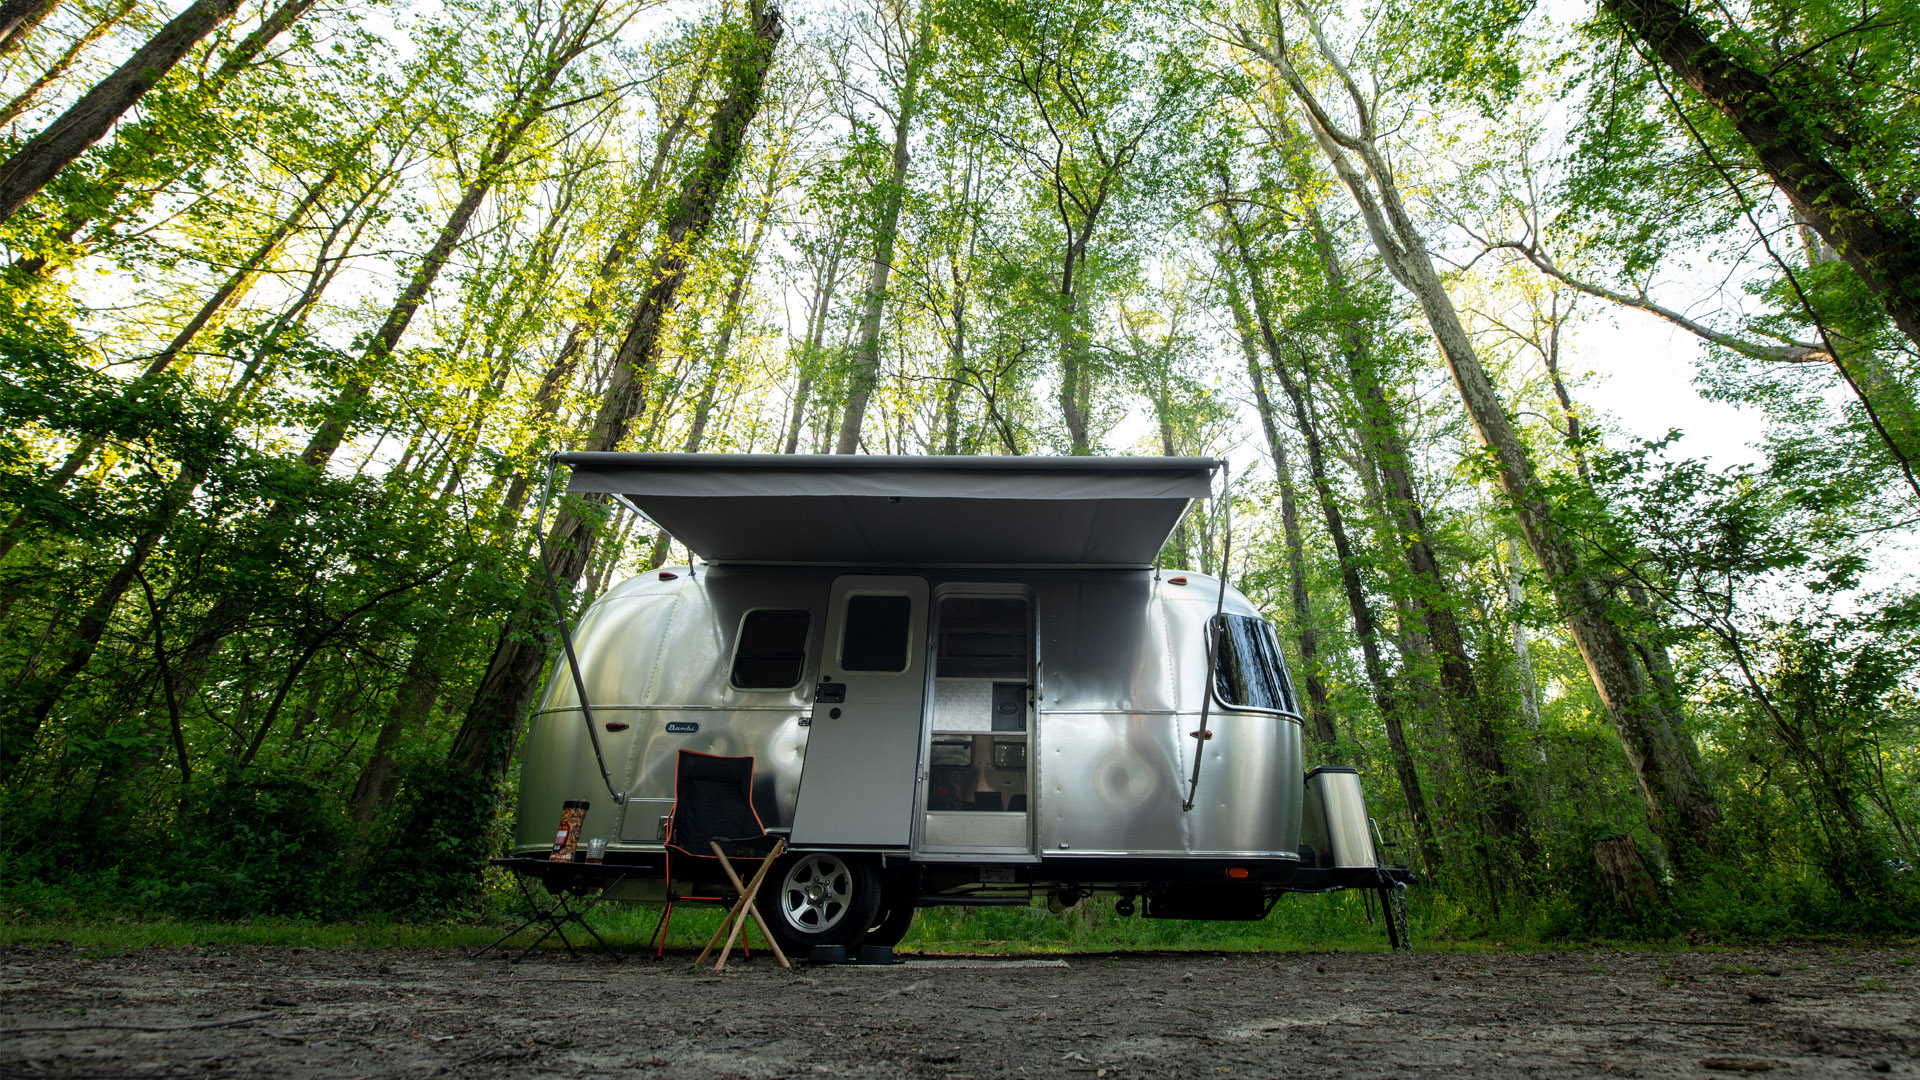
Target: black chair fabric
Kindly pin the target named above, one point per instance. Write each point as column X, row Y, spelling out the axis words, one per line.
column 713, row 800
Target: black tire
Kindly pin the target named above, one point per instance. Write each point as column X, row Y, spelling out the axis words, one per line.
column 819, row 898
column 893, row 917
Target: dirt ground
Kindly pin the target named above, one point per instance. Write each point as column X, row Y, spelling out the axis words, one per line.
column 293, row 1013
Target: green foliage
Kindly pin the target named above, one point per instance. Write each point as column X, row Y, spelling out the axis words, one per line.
column 245, row 844
column 1469, row 51
column 444, row 826
column 257, row 843
column 1587, row 906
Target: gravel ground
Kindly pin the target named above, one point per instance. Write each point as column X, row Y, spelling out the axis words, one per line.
column 291, row 1013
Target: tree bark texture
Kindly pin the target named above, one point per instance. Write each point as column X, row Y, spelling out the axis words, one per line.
column 84, row 123
column 18, row 18
column 865, row 373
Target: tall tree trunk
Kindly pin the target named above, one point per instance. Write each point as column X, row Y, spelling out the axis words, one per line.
column 138, row 145
column 31, row 167
column 18, row 18
column 1366, row 629
column 1469, row 712
column 484, row 745
column 1522, row 654
column 24, row 100
column 866, row 358
column 818, row 308
column 1880, row 241
column 1364, row 626
column 1076, row 376
column 529, row 103
column 1319, row 706
column 1177, row 543
column 1681, row 807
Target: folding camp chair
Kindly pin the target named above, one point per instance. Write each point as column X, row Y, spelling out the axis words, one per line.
column 713, row 819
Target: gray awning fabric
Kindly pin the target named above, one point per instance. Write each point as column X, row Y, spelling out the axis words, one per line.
column 871, row 510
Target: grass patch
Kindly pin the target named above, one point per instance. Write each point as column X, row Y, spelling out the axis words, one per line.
column 1297, row 923
column 1328, row 922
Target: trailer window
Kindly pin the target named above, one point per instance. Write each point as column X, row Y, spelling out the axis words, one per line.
column 875, row 635
column 1249, row 672
column 772, row 651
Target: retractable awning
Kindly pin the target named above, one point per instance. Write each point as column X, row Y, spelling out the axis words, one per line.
column 862, row 510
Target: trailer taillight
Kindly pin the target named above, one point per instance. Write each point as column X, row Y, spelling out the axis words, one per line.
column 1236, row 871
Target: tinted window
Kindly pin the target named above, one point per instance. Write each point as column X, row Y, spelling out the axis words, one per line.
column 875, row 637
column 1248, row 670
column 772, row 651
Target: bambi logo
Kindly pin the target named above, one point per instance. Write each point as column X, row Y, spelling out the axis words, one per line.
column 682, row 727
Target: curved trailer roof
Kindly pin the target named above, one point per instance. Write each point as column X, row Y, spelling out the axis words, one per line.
column 876, row 510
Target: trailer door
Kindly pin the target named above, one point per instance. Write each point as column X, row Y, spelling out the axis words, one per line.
column 975, row 790
column 857, row 783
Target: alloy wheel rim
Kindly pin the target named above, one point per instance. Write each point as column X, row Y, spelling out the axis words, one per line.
column 815, row 893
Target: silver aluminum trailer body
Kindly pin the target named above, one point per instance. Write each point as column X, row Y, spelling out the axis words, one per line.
column 967, row 733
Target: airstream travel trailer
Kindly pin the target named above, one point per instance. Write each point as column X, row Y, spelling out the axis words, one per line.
column 962, row 680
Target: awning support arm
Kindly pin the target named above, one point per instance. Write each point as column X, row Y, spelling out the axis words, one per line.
column 1201, row 736
column 566, row 632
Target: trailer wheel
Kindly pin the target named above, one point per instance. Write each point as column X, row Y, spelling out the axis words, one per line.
column 1393, row 901
column 892, row 918
column 820, row 898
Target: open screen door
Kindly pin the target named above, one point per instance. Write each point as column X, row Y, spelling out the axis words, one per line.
column 977, row 795
column 857, row 784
